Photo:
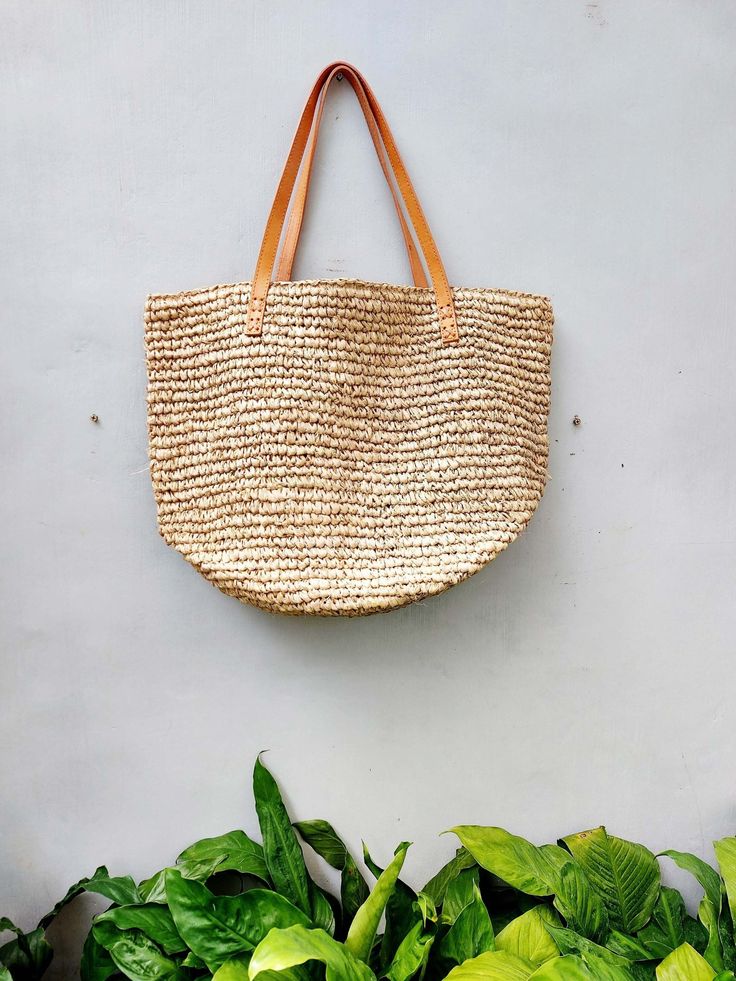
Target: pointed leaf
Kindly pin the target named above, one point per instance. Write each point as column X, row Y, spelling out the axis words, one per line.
column 283, row 855
column 402, row 913
column 705, row 875
column 283, row 949
column 362, row 932
column 118, row 889
column 625, row 875
column 322, row 837
column 708, row 915
column 412, row 954
column 471, row 934
column 153, row 889
column 531, row 869
column 438, row 884
column 670, row 926
column 460, row 893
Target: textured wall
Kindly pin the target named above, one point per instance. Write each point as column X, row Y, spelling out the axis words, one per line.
column 583, row 150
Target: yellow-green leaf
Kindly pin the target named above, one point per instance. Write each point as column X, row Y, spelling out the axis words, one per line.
column 625, row 875
column 685, row 964
column 527, row 936
column 284, row 949
column 527, row 867
column 496, row 965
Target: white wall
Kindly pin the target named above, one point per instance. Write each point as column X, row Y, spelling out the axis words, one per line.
column 584, row 150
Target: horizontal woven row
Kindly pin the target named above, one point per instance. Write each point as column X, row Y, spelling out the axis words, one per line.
column 346, row 461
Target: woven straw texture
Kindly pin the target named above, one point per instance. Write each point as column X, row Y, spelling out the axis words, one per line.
column 345, row 462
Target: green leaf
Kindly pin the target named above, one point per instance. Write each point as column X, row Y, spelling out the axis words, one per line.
column 632, row 948
column 118, row 889
column 96, row 964
column 705, row 875
column 496, row 965
column 231, row 852
column 579, row 903
column 153, row 890
column 670, row 926
column 322, row 837
column 570, row 942
column 411, row 955
column 471, row 934
column 426, row 909
column 726, row 933
column 191, row 960
column 7, row 924
column 439, row 883
column 713, row 953
column 402, row 913
column 625, row 875
column 725, row 850
column 685, row 964
column 217, row 928
column 283, row 949
column 353, row 889
column 531, row 869
column 28, row 955
column 142, row 960
column 362, row 932
column 460, row 893
column 283, row 855
column 323, row 915
column 155, row 921
column 5, row 974
column 527, row 936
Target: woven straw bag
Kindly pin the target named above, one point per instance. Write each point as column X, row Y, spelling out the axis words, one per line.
column 340, row 447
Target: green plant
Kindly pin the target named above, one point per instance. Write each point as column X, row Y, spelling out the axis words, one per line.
column 591, row 906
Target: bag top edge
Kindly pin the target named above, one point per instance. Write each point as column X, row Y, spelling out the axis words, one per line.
column 400, row 287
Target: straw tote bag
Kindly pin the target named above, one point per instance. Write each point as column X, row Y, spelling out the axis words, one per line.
column 340, row 447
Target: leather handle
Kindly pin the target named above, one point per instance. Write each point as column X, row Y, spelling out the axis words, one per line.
column 274, row 226
column 296, row 217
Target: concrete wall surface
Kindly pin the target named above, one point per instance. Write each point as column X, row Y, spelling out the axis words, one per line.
column 577, row 149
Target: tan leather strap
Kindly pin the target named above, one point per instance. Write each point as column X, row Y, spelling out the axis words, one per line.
column 274, row 226
column 296, row 216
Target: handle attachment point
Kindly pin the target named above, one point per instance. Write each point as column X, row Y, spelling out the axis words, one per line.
column 274, row 226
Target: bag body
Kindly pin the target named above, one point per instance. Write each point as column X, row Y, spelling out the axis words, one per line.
column 338, row 447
